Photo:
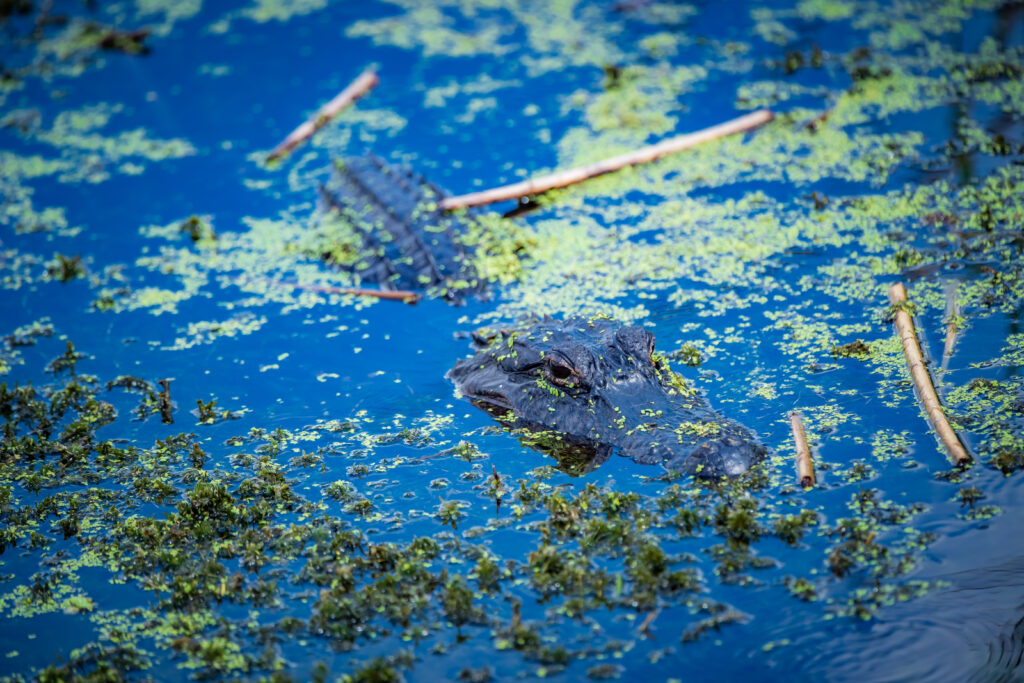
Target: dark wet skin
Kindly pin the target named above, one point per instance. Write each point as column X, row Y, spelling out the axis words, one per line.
column 592, row 387
column 408, row 243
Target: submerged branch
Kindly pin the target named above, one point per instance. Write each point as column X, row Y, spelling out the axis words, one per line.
column 952, row 330
column 581, row 173
column 404, row 295
column 389, row 294
column 922, row 378
column 645, row 625
column 804, row 463
column 359, row 87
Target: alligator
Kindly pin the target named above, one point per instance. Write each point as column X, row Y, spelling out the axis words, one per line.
column 395, row 235
column 576, row 389
column 589, row 387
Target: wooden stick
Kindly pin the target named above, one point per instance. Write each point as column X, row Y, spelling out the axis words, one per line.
column 581, row 173
column 804, row 464
column 645, row 625
column 405, row 295
column 356, row 89
column 952, row 313
column 389, row 294
column 922, row 379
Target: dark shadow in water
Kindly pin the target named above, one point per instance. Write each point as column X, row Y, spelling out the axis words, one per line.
column 575, row 456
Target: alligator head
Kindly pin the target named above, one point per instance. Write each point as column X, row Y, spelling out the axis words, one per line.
column 583, row 388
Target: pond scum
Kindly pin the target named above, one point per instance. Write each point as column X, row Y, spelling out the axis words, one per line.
column 237, row 559
column 246, row 530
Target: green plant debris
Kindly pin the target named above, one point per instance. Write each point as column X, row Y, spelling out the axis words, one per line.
column 87, row 153
column 248, row 540
column 225, row 524
column 262, row 11
column 206, row 331
column 441, row 95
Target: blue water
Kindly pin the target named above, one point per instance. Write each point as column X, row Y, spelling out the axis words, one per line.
column 384, row 363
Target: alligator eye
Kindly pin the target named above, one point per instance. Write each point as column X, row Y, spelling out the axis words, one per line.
column 560, row 372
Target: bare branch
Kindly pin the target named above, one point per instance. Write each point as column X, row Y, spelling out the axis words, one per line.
column 804, row 463
column 359, row 87
column 922, row 378
column 576, row 175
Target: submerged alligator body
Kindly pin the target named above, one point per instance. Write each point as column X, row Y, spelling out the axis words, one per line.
column 402, row 240
column 594, row 387
column 577, row 389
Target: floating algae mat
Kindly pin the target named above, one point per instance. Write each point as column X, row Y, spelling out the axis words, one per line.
column 218, row 462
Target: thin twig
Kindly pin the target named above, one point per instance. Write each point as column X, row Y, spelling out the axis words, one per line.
column 404, row 295
column 356, row 89
column 804, row 463
column 431, row 456
column 952, row 331
column 922, row 379
column 581, row 173
column 645, row 625
column 813, row 124
column 388, row 294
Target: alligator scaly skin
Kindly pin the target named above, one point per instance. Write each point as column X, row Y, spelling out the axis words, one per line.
column 408, row 243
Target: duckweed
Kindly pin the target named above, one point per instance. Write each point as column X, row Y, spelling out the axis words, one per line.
column 765, row 257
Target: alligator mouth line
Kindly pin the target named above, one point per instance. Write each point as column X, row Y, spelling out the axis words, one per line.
column 489, row 401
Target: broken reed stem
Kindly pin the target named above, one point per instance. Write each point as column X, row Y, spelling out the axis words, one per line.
column 922, row 379
column 581, row 173
column 645, row 625
column 388, row 294
column 952, row 313
column 804, row 464
column 405, row 295
column 356, row 89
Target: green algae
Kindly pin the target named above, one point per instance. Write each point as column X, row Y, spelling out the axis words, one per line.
column 433, row 31
column 583, row 237
column 786, row 150
column 205, row 332
column 87, row 153
column 280, row 10
column 262, row 11
column 592, row 549
column 557, row 34
column 168, row 11
column 19, row 211
column 442, row 95
column 638, row 99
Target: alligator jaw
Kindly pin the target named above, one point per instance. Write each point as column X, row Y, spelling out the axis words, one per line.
column 493, row 404
column 481, row 385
